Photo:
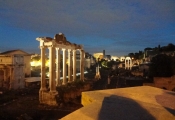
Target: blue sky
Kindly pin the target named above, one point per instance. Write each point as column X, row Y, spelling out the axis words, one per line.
column 117, row 26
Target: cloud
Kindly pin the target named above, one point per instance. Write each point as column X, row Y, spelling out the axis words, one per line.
column 116, row 21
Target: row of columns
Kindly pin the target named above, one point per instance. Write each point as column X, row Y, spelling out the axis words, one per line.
column 54, row 73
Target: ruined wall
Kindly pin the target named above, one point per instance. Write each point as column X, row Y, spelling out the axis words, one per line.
column 137, row 73
column 165, row 82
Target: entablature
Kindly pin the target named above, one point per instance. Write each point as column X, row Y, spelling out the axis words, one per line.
column 59, row 41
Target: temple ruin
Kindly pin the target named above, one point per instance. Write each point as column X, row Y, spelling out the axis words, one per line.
column 47, row 95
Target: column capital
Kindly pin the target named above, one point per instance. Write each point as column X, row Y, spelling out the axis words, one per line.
column 63, row 49
column 57, row 48
column 51, row 46
column 42, row 47
column 69, row 50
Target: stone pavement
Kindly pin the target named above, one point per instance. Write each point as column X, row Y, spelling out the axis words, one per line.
column 132, row 103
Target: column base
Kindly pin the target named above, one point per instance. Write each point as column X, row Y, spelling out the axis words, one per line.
column 58, row 83
column 64, row 83
column 70, row 81
column 98, row 76
column 48, row 97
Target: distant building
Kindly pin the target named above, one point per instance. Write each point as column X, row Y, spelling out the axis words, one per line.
column 144, row 67
column 149, row 54
column 107, row 57
column 12, row 71
column 14, row 65
column 128, row 63
column 115, row 58
column 98, row 56
column 122, row 59
column 27, row 59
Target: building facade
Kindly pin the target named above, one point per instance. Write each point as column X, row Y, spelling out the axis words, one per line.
column 12, row 71
column 26, row 57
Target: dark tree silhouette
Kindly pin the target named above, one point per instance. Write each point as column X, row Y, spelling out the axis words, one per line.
column 162, row 66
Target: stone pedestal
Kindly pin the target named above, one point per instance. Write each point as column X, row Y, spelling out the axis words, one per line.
column 48, row 98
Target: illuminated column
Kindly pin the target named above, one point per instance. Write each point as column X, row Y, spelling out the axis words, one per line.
column 58, row 82
column 12, row 78
column 10, row 73
column 74, row 65
column 82, row 65
column 43, row 80
column 130, row 64
column 125, row 63
column 64, row 67
column 52, row 85
column 69, row 65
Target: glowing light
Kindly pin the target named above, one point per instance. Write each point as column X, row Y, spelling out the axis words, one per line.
column 35, row 63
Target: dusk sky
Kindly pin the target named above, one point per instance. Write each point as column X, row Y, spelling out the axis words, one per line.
column 117, row 26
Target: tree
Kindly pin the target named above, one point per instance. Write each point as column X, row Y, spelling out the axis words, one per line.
column 161, row 66
column 148, row 48
column 169, row 47
column 131, row 55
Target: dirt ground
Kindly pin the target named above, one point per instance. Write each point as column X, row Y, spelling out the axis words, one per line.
column 24, row 104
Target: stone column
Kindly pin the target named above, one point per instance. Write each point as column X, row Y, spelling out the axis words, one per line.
column 52, row 83
column 58, row 82
column 130, row 64
column 10, row 74
column 5, row 74
column 43, row 73
column 64, row 67
column 74, row 65
column 82, row 65
column 69, row 65
column 12, row 77
column 125, row 63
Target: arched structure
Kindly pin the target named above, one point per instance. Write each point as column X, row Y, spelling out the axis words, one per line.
column 55, row 45
column 128, row 63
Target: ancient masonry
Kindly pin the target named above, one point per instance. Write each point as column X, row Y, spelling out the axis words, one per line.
column 48, row 95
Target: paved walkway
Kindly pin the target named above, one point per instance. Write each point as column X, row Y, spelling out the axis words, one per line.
column 132, row 103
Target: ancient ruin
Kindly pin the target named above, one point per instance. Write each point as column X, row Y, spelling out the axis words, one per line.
column 12, row 71
column 128, row 63
column 55, row 45
column 167, row 83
